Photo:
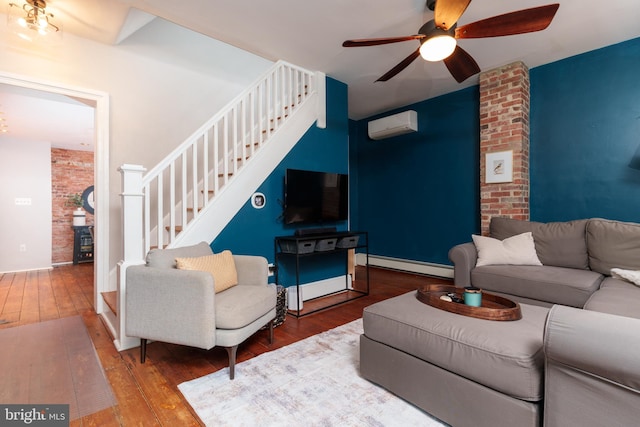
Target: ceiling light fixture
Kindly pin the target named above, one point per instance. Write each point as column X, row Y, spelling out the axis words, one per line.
column 438, row 43
column 32, row 19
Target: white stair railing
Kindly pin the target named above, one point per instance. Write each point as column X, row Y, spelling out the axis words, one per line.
column 198, row 188
column 185, row 182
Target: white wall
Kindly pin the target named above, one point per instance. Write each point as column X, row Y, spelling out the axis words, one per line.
column 159, row 92
column 25, row 230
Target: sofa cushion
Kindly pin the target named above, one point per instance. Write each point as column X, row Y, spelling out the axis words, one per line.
column 505, row 356
column 616, row 300
column 221, row 266
column 166, row 258
column 240, row 305
column 613, row 244
column 631, row 276
column 567, row 286
column 560, row 244
column 612, row 282
column 515, row 250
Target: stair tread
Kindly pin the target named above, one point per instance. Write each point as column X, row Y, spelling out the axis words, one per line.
column 111, row 299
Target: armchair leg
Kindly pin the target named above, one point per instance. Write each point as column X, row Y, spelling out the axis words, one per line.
column 271, row 331
column 143, row 350
column 231, row 351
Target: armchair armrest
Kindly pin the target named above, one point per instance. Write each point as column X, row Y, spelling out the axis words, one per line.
column 463, row 257
column 252, row 270
column 592, row 371
column 170, row 305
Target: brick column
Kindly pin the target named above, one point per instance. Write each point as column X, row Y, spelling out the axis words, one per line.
column 504, row 126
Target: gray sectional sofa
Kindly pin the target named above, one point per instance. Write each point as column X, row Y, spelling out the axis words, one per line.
column 572, row 360
column 577, row 258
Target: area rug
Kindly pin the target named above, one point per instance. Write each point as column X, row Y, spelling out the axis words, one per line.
column 313, row 382
column 53, row 362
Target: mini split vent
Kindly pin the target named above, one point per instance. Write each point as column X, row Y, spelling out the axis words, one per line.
column 397, row 124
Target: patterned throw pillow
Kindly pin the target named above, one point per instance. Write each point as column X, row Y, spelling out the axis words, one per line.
column 221, row 266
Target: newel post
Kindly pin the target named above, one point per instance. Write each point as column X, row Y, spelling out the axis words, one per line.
column 132, row 212
column 133, row 248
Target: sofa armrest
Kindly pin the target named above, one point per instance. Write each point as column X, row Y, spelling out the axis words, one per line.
column 252, row 270
column 463, row 257
column 171, row 305
column 592, row 375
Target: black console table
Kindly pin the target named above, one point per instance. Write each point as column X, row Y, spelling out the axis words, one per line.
column 82, row 243
column 313, row 245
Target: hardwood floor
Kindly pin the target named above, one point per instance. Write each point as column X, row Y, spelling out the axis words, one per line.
column 147, row 394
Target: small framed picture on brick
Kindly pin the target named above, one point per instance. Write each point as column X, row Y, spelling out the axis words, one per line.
column 499, row 167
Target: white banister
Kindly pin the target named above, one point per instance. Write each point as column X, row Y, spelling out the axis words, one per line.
column 177, row 189
column 195, row 191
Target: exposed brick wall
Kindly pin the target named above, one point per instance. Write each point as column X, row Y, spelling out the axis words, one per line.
column 71, row 172
column 504, row 125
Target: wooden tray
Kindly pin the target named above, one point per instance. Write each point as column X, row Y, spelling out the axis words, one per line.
column 493, row 307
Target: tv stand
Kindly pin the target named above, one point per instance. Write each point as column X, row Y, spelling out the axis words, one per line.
column 314, row 231
column 298, row 248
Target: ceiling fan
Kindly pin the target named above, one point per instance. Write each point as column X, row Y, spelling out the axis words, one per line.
column 438, row 36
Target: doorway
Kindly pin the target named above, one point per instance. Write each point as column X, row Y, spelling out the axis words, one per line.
column 101, row 170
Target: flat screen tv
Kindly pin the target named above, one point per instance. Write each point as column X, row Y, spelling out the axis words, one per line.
column 315, row 197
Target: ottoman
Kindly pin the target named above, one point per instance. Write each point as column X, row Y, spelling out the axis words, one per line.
column 462, row 370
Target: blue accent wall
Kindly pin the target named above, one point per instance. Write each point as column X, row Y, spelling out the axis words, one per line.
column 418, row 194
column 252, row 231
column 585, row 136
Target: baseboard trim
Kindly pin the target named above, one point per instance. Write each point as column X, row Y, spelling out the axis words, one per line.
column 28, row 270
column 317, row 289
column 412, row 266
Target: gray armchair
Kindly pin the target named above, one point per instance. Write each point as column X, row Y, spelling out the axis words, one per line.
column 180, row 306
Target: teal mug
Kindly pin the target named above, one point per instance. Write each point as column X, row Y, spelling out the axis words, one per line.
column 473, row 296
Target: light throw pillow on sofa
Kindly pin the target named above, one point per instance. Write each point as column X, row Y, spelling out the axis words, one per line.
column 221, row 266
column 632, row 276
column 515, row 250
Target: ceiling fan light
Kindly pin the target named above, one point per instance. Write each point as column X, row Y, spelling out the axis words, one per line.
column 438, row 47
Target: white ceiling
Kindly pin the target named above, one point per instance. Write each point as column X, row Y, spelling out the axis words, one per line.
column 34, row 115
column 310, row 34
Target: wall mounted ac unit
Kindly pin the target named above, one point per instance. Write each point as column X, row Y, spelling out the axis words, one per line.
column 397, row 124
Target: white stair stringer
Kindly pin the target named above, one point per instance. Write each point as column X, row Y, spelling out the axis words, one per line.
column 225, row 205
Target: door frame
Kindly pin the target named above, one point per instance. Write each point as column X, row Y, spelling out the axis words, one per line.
column 101, row 171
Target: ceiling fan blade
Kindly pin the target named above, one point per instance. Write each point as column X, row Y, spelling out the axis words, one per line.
column 401, row 66
column 379, row 41
column 522, row 21
column 447, row 12
column 461, row 65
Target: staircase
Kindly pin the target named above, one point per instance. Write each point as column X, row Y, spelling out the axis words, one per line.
column 197, row 189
